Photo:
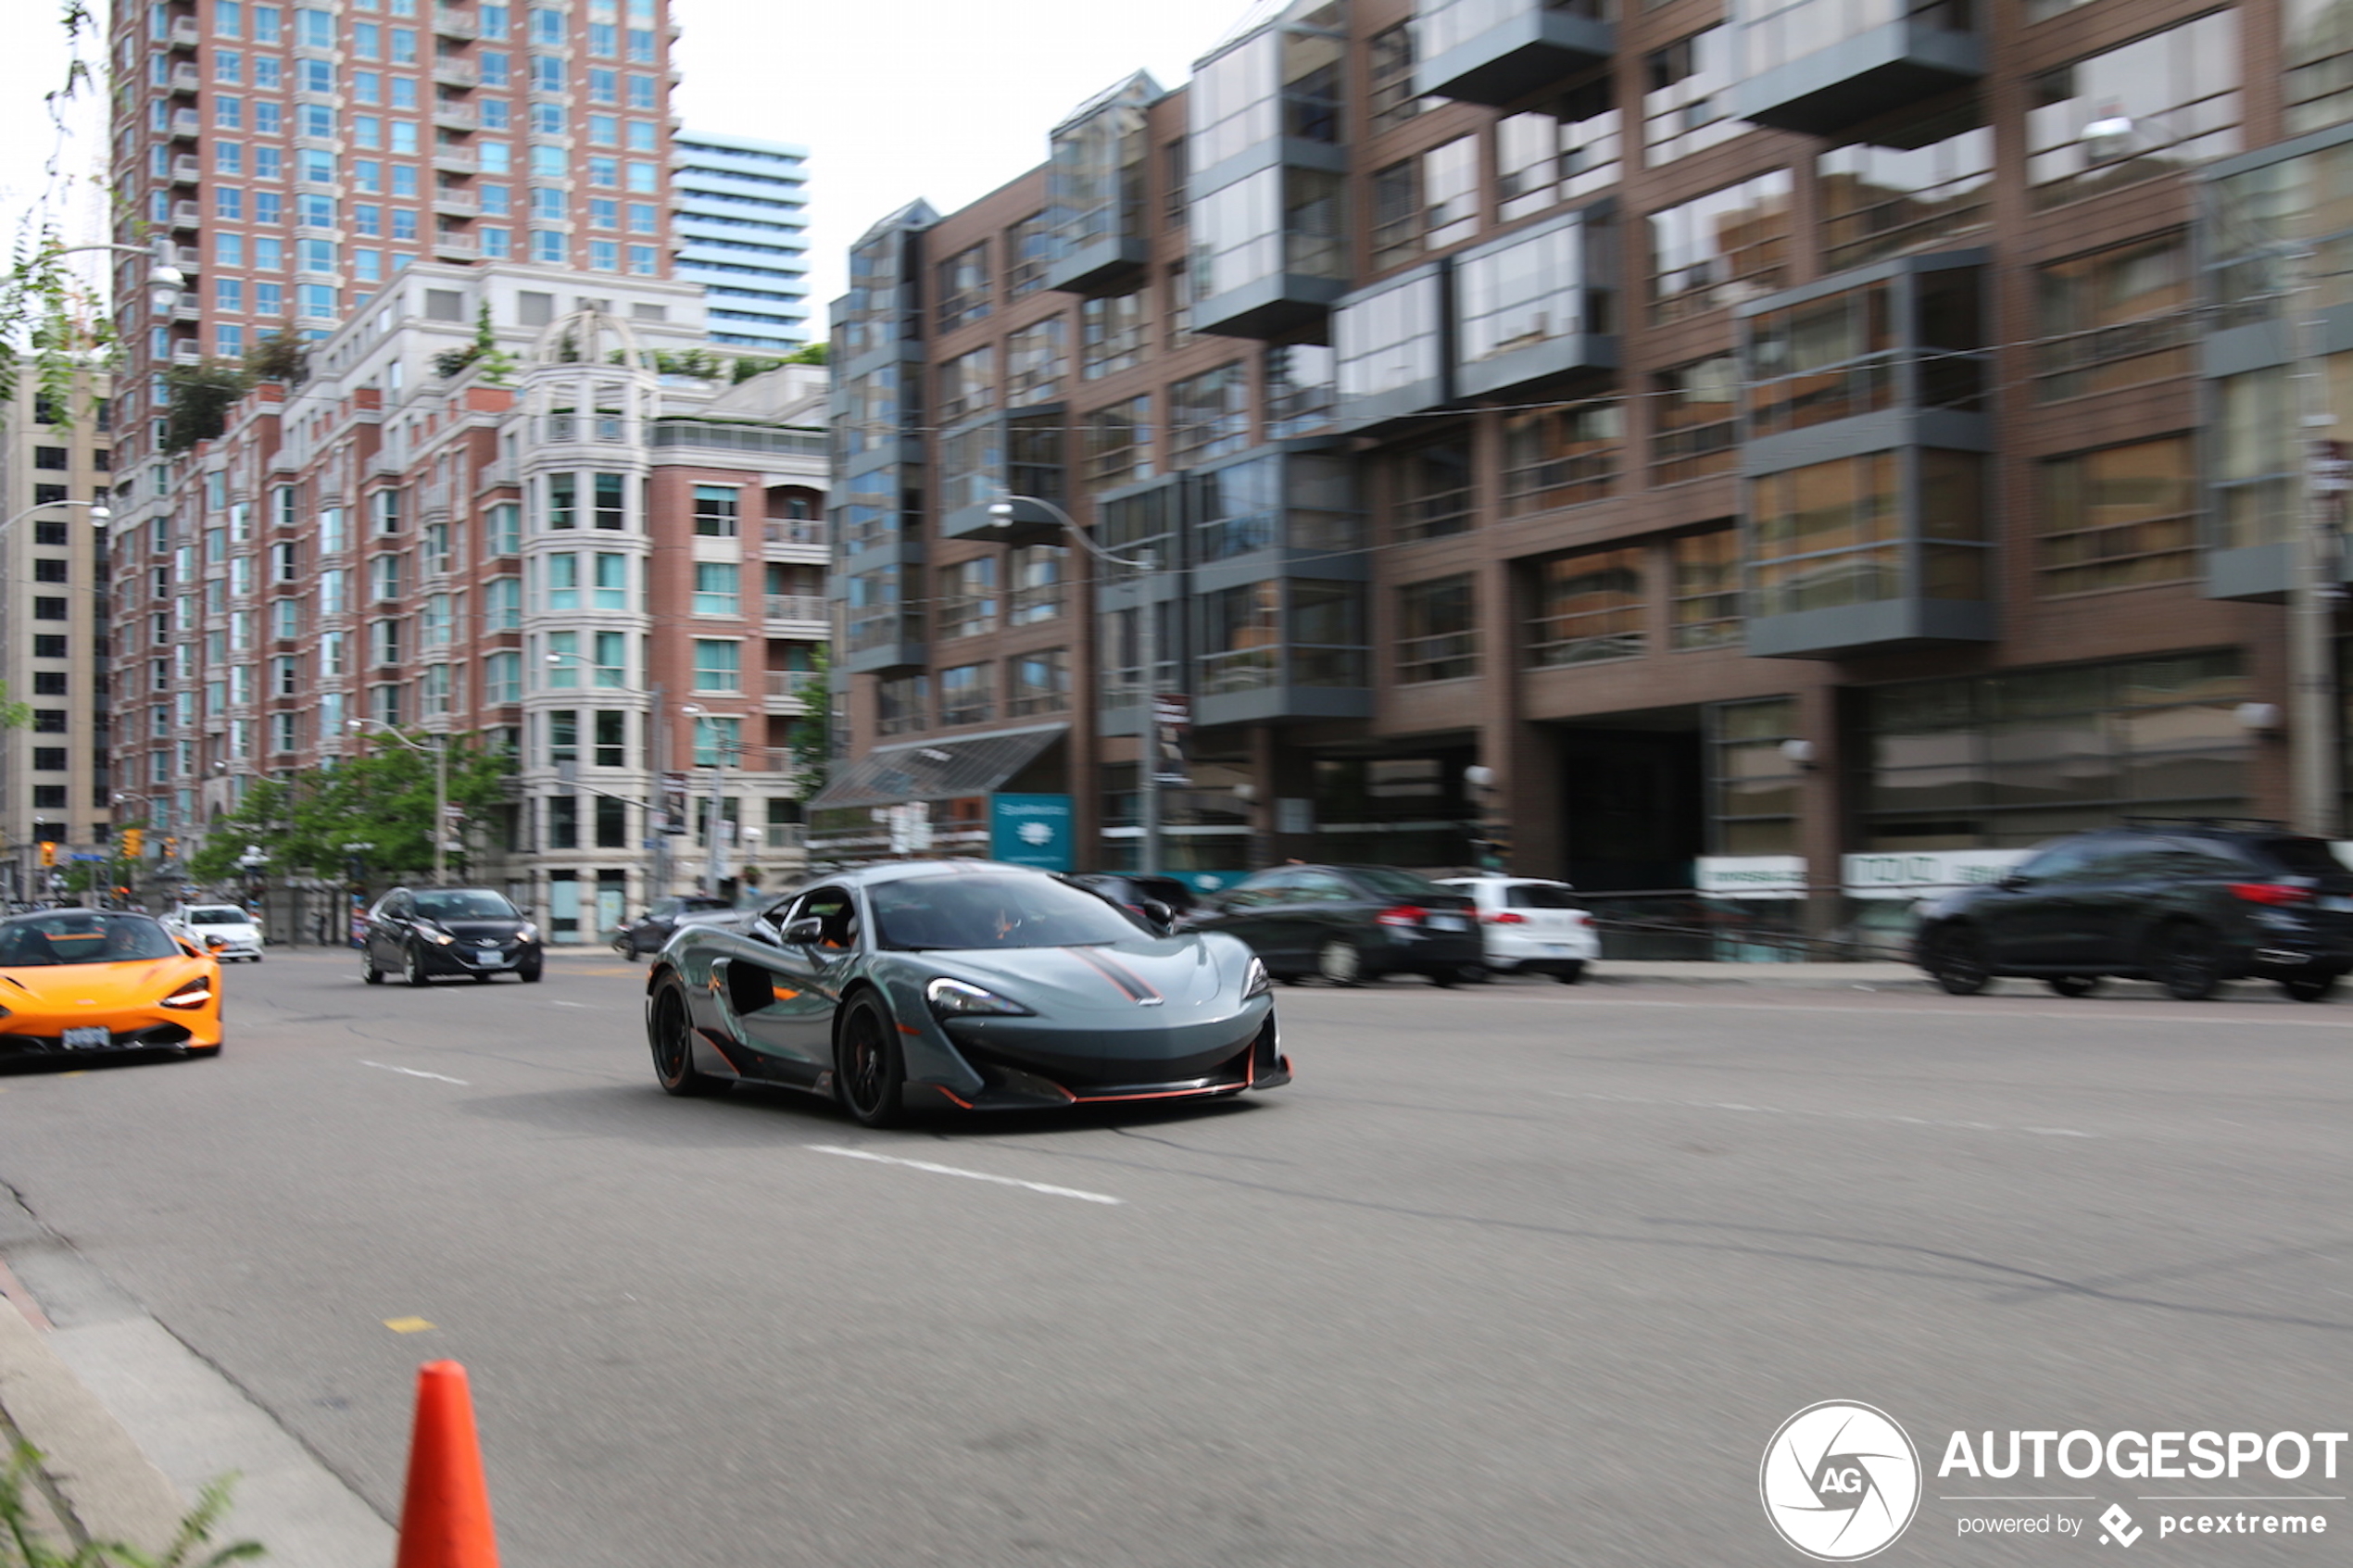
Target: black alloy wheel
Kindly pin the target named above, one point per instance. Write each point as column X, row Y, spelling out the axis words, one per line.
column 1957, row 962
column 2073, row 985
column 414, row 968
column 368, row 970
column 2189, row 962
column 1339, row 963
column 867, row 1066
column 670, row 1032
column 2310, row 986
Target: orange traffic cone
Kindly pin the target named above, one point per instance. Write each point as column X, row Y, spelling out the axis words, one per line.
column 444, row 1515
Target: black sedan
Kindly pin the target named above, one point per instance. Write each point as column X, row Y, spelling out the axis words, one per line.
column 427, row 930
column 1351, row 925
column 958, row 985
column 649, row 931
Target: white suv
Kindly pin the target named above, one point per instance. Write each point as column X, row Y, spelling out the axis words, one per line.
column 238, row 933
column 1531, row 925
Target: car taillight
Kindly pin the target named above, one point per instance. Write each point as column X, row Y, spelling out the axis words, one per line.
column 2269, row 893
column 1508, row 917
column 1403, row 914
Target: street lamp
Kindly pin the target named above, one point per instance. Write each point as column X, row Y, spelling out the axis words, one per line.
column 711, row 812
column 99, row 512
column 1144, row 563
column 165, row 280
column 439, row 752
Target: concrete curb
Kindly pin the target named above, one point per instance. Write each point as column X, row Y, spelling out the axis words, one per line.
column 96, row 1476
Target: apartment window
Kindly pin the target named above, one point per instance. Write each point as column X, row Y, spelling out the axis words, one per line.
column 963, row 287
column 901, row 702
column 1728, row 245
column 502, row 605
column 716, row 588
column 1880, row 201
column 1176, row 194
column 1112, row 334
column 1431, row 489
column 968, row 693
column 1829, row 534
column 1450, row 193
column 1208, row 415
column 502, row 678
column 1034, row 578
column 1687, row 96
column 49, row 721
column 47, row 571
column 1037, row 359
column 1029, row 246
column 1694, row 420
column 2319, row 61
column 1707, row 589
column 563, row 496
column 563, row 581
column 1438, row 630
column 1561, row 151
column 610, row 583
column 967, row 384
column 49, row 682
column 1590, row 608
column 1397, row 213
column 2179, row 88
column 1038, row 683
column 2115, row 318
column 967, row 598
column 53, row 609
column 611, row 508
column 715, row 515
column 2124, row 516
column 1119, row 444
column 1391, row 101
column 506, row 529
column 718, row 665
column 48, row 645
column 1555, row 458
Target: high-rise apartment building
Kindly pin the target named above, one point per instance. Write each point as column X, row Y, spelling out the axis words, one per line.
column 1748, row 448
column 57, row 777
column 741, row 228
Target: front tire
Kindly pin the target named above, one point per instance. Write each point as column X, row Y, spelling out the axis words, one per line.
column 414, row 969
column 529, row 973
column 2073, row 985
column 1569, row 974
column 2308, row 988
column 1957, row 962
column 368, row 970
column 1339, row 963
column 670, row 1032
column 867, row 1064
column 2189, row 962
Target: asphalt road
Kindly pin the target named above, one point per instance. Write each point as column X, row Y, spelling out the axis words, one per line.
column 1524, row 1274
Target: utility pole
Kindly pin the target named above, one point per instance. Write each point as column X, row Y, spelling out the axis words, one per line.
column 1148, row 751
column 658, row 799
column 712, row 824
column 2314, row 567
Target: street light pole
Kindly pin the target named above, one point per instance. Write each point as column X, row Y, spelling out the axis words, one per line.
column 716, row 803
column 439, row 752
column 1145, row 564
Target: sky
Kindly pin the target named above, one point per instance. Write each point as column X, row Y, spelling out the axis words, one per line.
column 894, row 99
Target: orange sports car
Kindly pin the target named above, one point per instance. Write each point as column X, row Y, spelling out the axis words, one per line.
column 83, row 982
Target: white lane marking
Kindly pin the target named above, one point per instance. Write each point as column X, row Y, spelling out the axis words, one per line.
column 413, row 1072
column 1045, row 1188
column 1832, row 1116
column 572, row 1004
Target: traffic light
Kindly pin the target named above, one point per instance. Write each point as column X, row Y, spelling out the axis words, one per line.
column 134, row 840
column 170, row 848
column 48, row 852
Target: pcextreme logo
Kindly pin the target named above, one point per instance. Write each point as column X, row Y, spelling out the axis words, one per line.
column 1841, row 1481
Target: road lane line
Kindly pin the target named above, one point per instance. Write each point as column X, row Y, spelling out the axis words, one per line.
column 1045, row 1188
column 1828, row 1115
column 591, row 1008
column 413, row 1072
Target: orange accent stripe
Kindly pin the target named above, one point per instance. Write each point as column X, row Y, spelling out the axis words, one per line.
column 783, row 993
column 1131, row 985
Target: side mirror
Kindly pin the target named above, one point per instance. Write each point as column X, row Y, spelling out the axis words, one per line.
column 805, row 932
column 1158, row 913
column 191, row 948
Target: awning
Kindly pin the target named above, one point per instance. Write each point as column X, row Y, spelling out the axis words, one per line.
column 936, row 769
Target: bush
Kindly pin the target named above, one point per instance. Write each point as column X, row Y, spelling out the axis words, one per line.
column 23, row 1547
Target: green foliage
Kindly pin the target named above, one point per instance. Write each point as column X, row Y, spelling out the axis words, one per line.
column 21, row 1546
column 201, row 398
column 811, row 738
column 498, row 366
column 808, row 354
column 383, row 799
column 50, row 322
column 278, row 358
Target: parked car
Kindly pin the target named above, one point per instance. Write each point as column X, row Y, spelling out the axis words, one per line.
column 958, row 985
column 1351, row 925
column 81, row 983
column 239, row 933
column 2188, row 904
column 1529, row 925
column 1137, row 894
column 649, row 931
column 427, row 930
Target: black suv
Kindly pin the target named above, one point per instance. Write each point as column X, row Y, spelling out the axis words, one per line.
column 2188, row 904
column 423, row 932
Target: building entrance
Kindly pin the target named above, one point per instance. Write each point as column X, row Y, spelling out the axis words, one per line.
column 1633, row 799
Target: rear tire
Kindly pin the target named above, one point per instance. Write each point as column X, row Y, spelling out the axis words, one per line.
column 2189, row 962
column 2308, row 988
column 368, row 970
column 671, row 1035
column 867, row 1067
column 1339, row 963
column 2073, row 985
column 1957, row 962
column 1569, row 974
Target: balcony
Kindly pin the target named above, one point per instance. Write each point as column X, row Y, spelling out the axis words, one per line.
column 185, row 125
column 186, row 216
column 449, row 22
column 450, row 246
column 1822, row 67
column 1095, row 206
column 1538, row 304
column 185, row 34
column 185, row 78
column 187, row 307
column 454, row 117
column 794, row 691
column 455, row 204
column 449, row 162
column 794, row 531
column 455, row 75
column 810, row 609
column 187, row 351
column 1494, row 52
column 186, row 169
column 188, row 258
column 982, row 462
column 1391, row 345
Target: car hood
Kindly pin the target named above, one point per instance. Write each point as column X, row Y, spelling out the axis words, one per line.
column 137, row 982
column 467, row 930
column 1175, row 975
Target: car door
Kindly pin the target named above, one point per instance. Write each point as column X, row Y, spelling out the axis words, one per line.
column 1253, row 911
column 388, row 930
column 2042, row 917
column 783, row 993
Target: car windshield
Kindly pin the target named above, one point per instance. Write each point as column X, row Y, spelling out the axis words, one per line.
column 993, row 911
column 1391, row 882
column 465, row 904
column 219, row 914
column 82, row 936
column 1539, row 895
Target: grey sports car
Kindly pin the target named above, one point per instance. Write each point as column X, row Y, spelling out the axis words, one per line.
column 958, row 985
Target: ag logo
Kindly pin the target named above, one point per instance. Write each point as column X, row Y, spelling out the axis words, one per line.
column 1036, row 835
column 1841, row 1481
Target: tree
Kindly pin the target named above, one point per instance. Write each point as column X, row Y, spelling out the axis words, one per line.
column 280, row 356
column 808, row 354
column 201, row 398
column 383, row 800
column 259, row 818
column 51, row 322
column 811, row 738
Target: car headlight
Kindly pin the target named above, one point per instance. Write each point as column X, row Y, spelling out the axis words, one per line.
column 432, row 933
column 195, row 993
column 957, row 999
column 1256, row 982
column 528, row 932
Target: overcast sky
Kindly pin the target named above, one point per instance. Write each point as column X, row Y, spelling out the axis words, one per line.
column 895, row 99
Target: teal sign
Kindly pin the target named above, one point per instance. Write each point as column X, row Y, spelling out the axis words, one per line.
column 1030, row 830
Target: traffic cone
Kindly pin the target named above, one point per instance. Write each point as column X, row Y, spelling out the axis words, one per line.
column 444, row 1514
